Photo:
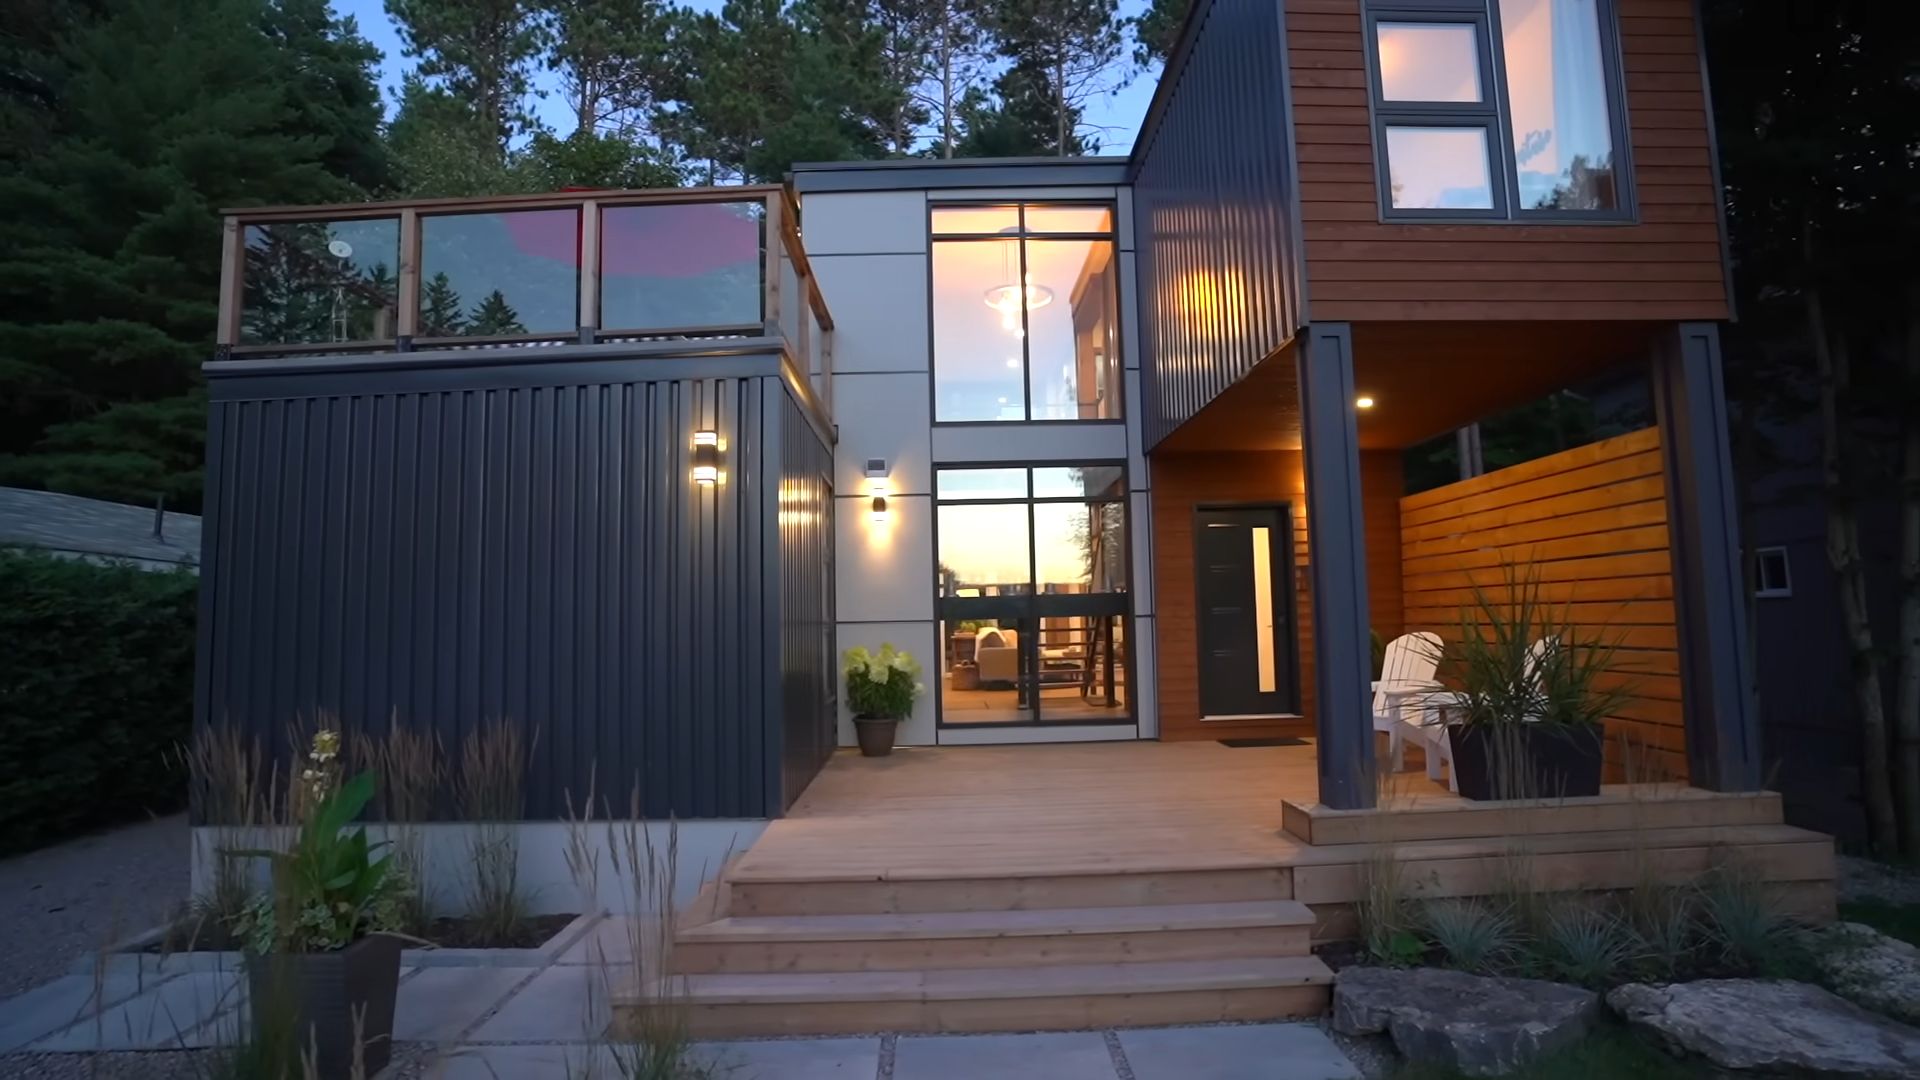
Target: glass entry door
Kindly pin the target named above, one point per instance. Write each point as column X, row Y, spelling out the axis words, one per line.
column 1243, row 559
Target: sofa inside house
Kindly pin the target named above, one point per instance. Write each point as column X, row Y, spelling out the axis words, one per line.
column 997, row 653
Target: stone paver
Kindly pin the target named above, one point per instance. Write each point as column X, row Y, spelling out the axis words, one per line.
column 437, row 1004
column 552, row 1062
column 170, row 1015
column 560, row 1003
column 1073, row 1055
column 794, row 1059
column 46, row 1009
column 1252, row 1052
column 610, row 942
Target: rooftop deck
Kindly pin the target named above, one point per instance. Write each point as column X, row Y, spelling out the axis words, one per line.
column 700, row 265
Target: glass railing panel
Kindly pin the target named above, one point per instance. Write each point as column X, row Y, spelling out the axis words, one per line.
column 500, row 274
column 320, row 282
column 673, row 266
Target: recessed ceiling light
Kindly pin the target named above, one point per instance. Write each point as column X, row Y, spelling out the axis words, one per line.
column 1364, row 401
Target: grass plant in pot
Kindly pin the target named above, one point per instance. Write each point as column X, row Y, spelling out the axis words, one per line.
column 1526, row 698
column 881, row 687
column 321, row 973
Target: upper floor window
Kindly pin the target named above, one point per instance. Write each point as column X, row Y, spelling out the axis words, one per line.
column 1026, row 314
column 1496, row 108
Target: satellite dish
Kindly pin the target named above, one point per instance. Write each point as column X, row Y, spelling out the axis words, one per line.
column 340, row 248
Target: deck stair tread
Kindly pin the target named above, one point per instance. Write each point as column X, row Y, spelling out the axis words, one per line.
column 1075, row 980
column 1025, row 922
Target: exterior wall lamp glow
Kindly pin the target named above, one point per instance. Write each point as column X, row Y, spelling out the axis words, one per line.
column 1364, row 401
column 877, row 488
column 706, row 458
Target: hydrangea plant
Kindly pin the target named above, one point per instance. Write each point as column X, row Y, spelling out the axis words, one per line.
column 881, row 684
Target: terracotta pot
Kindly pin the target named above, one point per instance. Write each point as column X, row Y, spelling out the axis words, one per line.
column 319, row 996
column 876, row 734
column 1544, row 762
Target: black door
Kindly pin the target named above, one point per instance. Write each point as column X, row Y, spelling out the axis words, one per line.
column 1244, row 561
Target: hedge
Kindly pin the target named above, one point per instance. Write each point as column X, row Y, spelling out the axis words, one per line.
column 96, row 694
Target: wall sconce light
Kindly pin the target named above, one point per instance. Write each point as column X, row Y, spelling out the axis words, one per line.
column 706, row 458
column 1364, row 401
column 877, row 487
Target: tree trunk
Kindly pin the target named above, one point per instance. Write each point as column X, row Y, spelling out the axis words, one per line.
column 1060, row 104
column 1906, row 700
column 946, row 83
column 1843, row 554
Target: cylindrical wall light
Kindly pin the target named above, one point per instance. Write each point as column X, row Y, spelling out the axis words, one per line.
column 706, row 458
column 877, row 488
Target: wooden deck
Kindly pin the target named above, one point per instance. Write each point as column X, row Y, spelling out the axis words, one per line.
column 988, row 888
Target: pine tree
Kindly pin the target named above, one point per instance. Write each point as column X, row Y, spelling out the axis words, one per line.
column 1069, row 47
column 1157, row 30
column 482, row 51
column 110, row 225
column 440, row 312
column 493, row 317
column 609, row 54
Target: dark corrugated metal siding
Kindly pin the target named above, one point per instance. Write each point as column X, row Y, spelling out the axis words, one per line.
column 452, row 546
column 1213, row 212
column 809, row 677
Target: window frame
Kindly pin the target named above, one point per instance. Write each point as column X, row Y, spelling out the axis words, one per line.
column 1760, row 589
column 1022, row 235
column 1494, row 112
column 1028, row 606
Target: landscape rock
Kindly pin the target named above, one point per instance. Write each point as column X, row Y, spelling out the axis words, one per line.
column 1478, row 1025
column 1868, row 968
column 1772, row 1026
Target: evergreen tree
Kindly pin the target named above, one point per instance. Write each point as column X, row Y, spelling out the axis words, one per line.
column 482, row 51
column 441, row 314
column 1067, row 47
column 1021, row 119
column 586, row 159
column 109, row 222
column 493, row 316
column 443, row 147
column 609, row 54
column 1157, row 30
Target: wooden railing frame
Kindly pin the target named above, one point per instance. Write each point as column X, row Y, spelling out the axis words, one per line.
column 781, row 236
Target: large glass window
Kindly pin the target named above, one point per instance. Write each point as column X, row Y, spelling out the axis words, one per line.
column 316, row 282
column 1450, row 148
column 1558, row 118
column 1026, row 313
column 1032, row 595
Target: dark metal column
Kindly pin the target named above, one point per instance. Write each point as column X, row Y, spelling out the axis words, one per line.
column 1716, row 685
column 1336, row 553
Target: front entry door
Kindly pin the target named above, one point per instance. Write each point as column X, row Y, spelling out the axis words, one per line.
column 1244, row 559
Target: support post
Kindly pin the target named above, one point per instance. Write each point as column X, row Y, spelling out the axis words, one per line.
column 1336, row 553
column 1709, row 585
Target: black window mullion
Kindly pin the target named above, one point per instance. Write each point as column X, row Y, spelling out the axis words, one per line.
column 1026, row 342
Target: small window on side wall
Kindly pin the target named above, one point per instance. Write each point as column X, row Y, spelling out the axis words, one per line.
column 1772, row 575
column 1499, row 109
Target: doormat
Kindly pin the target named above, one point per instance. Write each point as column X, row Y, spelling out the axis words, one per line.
column 1242, row 744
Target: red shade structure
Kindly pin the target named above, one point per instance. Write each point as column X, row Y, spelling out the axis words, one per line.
column 674, row 240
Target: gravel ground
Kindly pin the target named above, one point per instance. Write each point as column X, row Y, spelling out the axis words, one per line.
column 1865, row 879
column 67, row 901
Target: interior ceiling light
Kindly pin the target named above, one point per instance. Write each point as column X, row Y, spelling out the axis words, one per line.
column 1006, row 298
column 1364, row 401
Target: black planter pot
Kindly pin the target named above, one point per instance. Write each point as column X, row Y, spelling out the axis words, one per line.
column 876, row 734
column 316, row 997
column 1526, row 761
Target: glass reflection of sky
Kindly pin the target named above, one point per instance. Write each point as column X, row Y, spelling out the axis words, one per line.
column 531, row 256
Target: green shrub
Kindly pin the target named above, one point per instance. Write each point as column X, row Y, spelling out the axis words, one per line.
column 96, row 694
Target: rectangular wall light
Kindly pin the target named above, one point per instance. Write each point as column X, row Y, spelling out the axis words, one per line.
column 706, row 458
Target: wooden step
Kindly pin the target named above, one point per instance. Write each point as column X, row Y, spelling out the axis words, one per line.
column 986, row 939
column 998, row 999
column 792, row 895
column 1617, row 807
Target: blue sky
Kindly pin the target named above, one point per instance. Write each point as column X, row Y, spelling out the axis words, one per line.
column 1120, row 113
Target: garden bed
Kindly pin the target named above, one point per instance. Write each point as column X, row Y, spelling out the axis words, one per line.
column 451, row 942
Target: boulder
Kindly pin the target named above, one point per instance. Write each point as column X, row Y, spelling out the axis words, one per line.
column 1771, row 1026
column 1478, row 1025
column 1867, row 968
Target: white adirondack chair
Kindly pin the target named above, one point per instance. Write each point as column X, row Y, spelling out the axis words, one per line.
column 1406, row 674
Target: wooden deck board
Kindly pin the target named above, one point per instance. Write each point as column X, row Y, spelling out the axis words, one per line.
column 1053, row 810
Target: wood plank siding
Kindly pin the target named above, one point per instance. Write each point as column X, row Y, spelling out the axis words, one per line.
column 1182, row 482
column 1593, row 522
column 1665, row 265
